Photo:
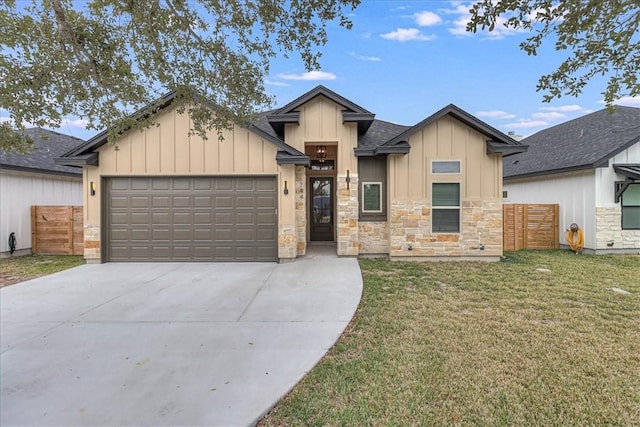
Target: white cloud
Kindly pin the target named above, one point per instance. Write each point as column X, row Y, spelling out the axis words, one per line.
column 426, row 18
column 364, row 57
column 407, row 34
column 309, row 76
column 628, row 101
column 526, row 123
column 563, row 108
column 276, row 83
column 459, row 25
column 76, row 123
column 551, row 115
column 495, row 114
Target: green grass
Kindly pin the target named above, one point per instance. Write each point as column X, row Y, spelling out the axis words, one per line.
column 18, row 269
column 483, row 344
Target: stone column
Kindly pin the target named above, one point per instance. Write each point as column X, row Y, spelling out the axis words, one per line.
column 347, row 215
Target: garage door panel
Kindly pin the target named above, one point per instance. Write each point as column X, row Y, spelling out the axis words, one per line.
column 120, row 202
column 245, row 218
column 223, row 234
column 182, row 201
column 182, row 235
column 160, row 202
column 191, row 219
column 160, row 234
column 161, row 184
column 140, row 217
column 161, row 218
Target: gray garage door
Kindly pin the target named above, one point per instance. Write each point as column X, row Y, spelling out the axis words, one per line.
column 191, row 219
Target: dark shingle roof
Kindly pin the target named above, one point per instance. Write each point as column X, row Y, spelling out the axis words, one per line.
column 379, row 133
column 583, row 143
column 47, row 146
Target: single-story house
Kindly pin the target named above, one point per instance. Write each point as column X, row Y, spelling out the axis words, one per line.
column 35, row 179
column 590, row 166
column 319, row 169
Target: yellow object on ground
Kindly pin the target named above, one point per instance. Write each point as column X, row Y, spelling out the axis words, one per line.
column 575, row 238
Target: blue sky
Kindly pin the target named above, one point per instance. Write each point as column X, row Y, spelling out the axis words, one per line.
column 405, row 60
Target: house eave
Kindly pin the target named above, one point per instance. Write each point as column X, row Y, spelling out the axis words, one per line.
column 283, row 158
column 495, row 147
column 90, row 159
column 40, row 171
column 548, row 172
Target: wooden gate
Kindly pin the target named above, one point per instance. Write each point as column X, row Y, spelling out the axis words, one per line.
column 530, row 226
column 57, row 230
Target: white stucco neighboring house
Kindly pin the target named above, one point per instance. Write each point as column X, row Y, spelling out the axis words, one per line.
column 35, row 179
column 590, row 166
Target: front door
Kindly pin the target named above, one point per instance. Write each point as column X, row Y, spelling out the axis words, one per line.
column 321, row 214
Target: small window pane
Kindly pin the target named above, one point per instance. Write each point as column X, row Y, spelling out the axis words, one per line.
column 445, row 167
column 372, row 197
column 631, row 196
column 446, row 220
column 631, row 218
column 446, row 194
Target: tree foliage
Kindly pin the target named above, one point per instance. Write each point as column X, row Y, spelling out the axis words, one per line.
column 600, row 36
column 100, row 60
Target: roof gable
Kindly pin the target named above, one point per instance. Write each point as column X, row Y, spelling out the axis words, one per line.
column 351, row 112
column 586, row 142
column 47, row 146
column 87, row 154
column 497, row 142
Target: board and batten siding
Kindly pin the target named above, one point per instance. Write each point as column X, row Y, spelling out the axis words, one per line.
column 480, row 176
column 321, row 123
column 20, row 190
column 575, row 193
column 167, row 149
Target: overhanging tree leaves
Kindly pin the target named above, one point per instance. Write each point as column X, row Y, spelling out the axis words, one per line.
column 600, row 36
column 102, row 59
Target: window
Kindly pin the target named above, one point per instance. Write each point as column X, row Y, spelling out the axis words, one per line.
column 631, row 207
column 372, row 194
column 445, row 208
column 449, row 166
column 372, row 197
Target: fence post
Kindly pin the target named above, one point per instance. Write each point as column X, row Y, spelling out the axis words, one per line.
column 34, row 236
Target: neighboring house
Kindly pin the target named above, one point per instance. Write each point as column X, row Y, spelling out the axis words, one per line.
column 35, row 179
column 590, row 166
column 319, row 169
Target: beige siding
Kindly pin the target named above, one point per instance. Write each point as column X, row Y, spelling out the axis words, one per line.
column 447, row 139
column 321, row 123
column 167, row 149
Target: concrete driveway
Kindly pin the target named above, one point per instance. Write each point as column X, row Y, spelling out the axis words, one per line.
column 168, row 344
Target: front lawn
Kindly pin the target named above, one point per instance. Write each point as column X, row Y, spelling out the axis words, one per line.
column 18, row 269
column 540, row 339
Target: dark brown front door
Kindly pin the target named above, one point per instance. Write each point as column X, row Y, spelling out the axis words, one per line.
column 321, row 214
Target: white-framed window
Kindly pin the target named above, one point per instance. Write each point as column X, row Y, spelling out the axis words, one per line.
column 445, row 167
column 631, row 208
column 445, row 207
column 372, row 197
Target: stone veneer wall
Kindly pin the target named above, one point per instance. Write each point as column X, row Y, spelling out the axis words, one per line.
column 410, row 225
column 92, row 243
column 373, row 237
column 301, row 210
column 609, row 229
column 287, row 241
column 347, row 215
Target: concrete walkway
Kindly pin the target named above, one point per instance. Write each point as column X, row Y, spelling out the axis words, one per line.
column 169, row 344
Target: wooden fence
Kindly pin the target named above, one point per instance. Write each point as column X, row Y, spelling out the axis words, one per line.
column 530, row 226
column 57, row 230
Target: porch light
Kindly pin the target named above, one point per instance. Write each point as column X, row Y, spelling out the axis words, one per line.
column 286, row 190
column 92, row 188
column 321, row 151
column 348, row 179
